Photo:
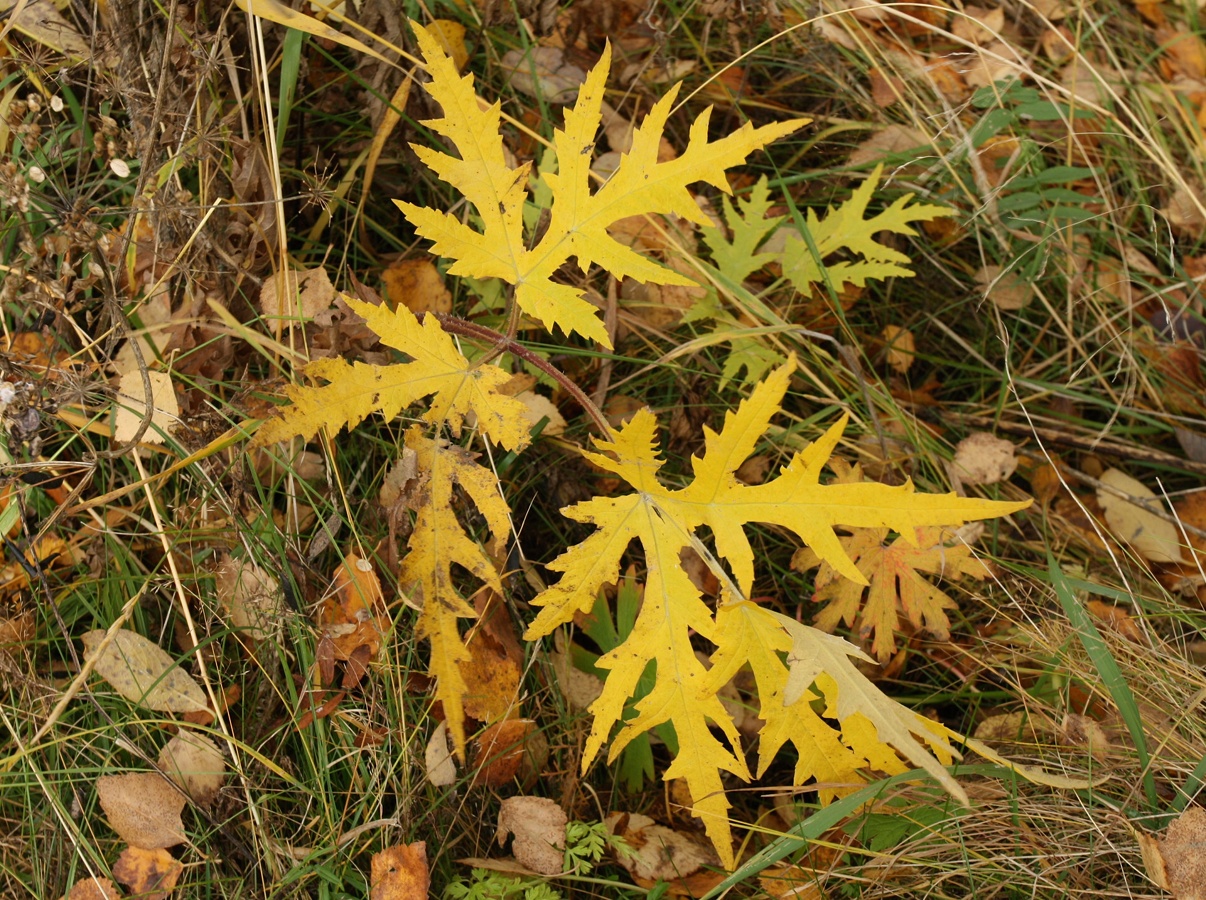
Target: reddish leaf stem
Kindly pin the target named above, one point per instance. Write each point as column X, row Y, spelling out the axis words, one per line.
column 481, row 332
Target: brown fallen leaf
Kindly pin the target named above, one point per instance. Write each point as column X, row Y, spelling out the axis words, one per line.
column 250, row 596
column 900, row 348
column 93, row 889
column 149, row 874
column 507, row 749
column 663, row 854
column 1118, row 618
column 984, row 458
column 441, row 767
column 195, row 763
column 1155, row 539
column 538, row 825
column 1177, row 861
column 293, row 295
column 142, row 672
column 143, row 808
column 130, row 406
column 418, row 285
column 400, row 873
column 1008, row 290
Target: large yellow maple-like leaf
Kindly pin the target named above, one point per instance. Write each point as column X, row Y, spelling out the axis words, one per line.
column 578, row 219
column 437, row 369
column 894, row 583
column 663, row 521
column 436, row 543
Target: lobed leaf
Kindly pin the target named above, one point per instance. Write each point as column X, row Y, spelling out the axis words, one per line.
column 664, row 522
column 436, row 544
column 437, row 369
column 578, row 220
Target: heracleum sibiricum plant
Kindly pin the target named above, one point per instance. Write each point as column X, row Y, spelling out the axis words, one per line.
column 798, row 669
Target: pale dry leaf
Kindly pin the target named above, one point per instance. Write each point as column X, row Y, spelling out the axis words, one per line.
column 1053, row 10
column 1008, row 290
column 155, row 316
column 658, row 853
column 901, row 348
column 143, row 808
column 1155, row 539
column 984, row 458
column 195, row 763
column 996, row 61
column 149, row 874
column 250, row 596
column 1179, row 864
column 441, row 767
column 579, row 688
column 978, row 25
column 131, row 405
column 543, row 73
column 538, row 825
column 540, row 407
column 143, row 673
column 297, row 295
column 404, row 470
column 888, row 141
column 1184, row 212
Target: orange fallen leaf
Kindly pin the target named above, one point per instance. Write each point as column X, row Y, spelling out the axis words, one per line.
column 149, row 874
column 418, row 285
column 1117, row 618
column 500, row 751
column 400, row 873
column 93, row 889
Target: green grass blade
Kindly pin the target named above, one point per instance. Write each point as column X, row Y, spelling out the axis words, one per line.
column 1107, row 669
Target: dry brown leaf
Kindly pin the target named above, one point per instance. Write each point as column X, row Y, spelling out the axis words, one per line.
column 579, row 688
column 791, row 883
column 887, row 141
column 400, row 873
column 1118, row 618
column 131, row 405
column 539, row 828
column 143, row 673
column 494, row 666
column 1177, row 861
column 93, row 889
column 978, row 25
column 195, row 763
column 441, row 767
column 507, row 749
column 660, row 853
column 901, row 348
column 143, row 808
column 250, row 596
column 418, row 285
column 1184, row 212
column 541, row 407
column 305, row 294
column 984, row 458
column 1155, row 539
column 1006, row 289
column 544, row 73
column 149, row 874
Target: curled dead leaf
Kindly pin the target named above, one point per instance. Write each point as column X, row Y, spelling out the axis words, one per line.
column 538, row 825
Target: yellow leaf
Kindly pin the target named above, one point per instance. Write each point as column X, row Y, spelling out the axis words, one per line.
column 664, row 520
column 578, row 222
column 437, row 369
column 436, row 543
column 893, row 583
